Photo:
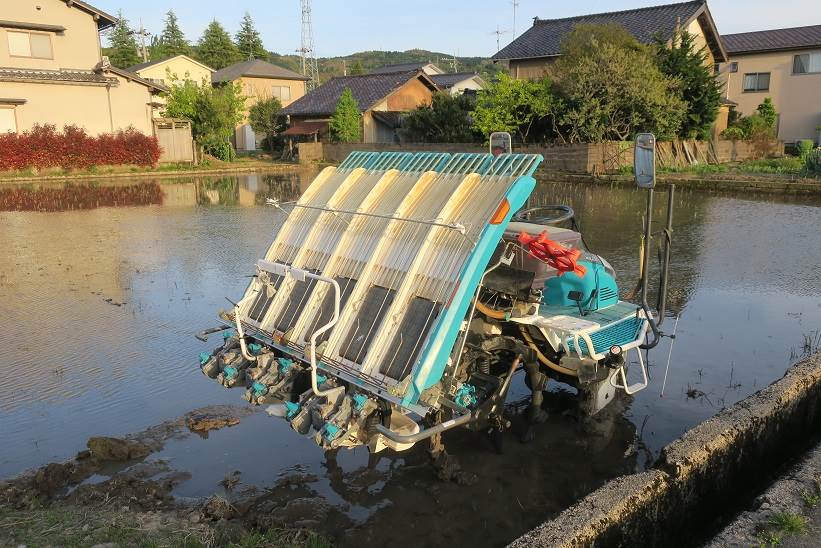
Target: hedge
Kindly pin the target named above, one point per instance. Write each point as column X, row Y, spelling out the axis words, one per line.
column 44, row 147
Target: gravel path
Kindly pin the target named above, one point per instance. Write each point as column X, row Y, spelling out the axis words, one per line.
column 787, row 514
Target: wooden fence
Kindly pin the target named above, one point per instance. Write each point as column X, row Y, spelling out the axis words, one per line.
column 174, row 136
column 595, row 158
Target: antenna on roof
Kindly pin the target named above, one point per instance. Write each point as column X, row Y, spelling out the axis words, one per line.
column 309, row 66
column 499, row 32
column 515, row 4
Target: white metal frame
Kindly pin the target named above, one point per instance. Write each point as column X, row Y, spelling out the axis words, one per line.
column 300, row 276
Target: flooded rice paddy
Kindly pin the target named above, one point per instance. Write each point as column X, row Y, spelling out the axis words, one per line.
column 103, row 285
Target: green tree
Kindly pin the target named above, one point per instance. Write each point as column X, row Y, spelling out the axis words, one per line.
column 214, row 113
column 249, row 43
column 697, row 83
column 613, row 88
column 215, row 47
column 767, row 111
column 346, row 122
column 357, row 68
column 515, row 106
column 446, row 120
column 123, row 52
column 172, row 41
column 264, row 118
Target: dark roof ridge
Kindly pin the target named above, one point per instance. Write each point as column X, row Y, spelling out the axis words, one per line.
column 768, row 30
column 536, row 20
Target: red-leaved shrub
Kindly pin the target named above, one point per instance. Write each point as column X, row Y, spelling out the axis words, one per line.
column 43, row 147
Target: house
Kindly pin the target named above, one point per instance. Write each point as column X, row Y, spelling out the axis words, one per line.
column 179, row 67
column 530, row 55
column 454, row 83
column 382, row 98
column 784, row 64
column 457, row 83
column 52, row 71
column 260, row 80
column 425, row 66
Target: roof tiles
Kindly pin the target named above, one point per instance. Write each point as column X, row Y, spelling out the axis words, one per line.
column 773, row 40
column 544, row 38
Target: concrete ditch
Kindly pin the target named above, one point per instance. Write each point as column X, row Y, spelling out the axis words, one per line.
column 700, row 476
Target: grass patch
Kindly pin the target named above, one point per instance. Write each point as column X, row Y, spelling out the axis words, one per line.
column 72, row 527
column 789, row 523
column 787, row 165
column 768, row 539
column 261, row 161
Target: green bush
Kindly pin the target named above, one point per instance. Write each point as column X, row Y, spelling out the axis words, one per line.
column 217, row 147
column 733, row 133
column 804, row 147
column 812, row 162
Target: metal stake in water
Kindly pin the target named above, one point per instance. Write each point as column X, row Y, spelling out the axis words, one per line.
column 669, row 356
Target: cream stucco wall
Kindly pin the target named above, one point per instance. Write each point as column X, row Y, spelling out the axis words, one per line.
column 797, row 97
column 701, row 42
column 180, row 68
column 98, row 109
column 76, row 48
column 464, row 85
column 255, row 89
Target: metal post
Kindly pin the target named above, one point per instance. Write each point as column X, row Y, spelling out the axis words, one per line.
column 668, row 237
column 645, row 267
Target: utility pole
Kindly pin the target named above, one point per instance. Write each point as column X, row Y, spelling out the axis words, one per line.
column 499, row 32
column 454, row 63
column 309, row 66
column 143, row 33
column 515, row 4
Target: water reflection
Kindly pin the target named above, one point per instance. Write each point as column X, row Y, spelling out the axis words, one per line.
column 234, row 190
column 100, row 306
column 69, row 197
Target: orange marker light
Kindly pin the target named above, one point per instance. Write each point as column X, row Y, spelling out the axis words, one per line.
column 501, row 212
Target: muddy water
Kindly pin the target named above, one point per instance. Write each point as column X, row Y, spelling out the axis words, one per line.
column 102, row 287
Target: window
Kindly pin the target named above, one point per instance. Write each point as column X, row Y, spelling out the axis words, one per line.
column 757, row 81
column 807, row 63
column 283, row 93
column 29, row 44
column 8, row 120
column 718, row 68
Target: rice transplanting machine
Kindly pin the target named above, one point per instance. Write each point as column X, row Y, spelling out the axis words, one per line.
column 405, row 290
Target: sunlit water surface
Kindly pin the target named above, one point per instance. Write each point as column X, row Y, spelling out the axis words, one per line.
column 102, row 287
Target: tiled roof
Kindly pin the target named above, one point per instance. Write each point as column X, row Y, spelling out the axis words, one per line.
column 367, row 89
column 255, row 68
column 449, row 80
column 544, row 38
column 36, row 75
column 306, row 128
column 136, row 78
column 773, row 40
column 402, row 67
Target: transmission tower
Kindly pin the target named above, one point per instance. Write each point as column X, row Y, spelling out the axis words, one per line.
column 309, row 66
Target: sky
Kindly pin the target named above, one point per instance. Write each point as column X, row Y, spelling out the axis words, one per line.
column 460, row 27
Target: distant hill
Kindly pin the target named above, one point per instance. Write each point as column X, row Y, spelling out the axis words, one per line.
column 334, row 66
column 369, row 60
